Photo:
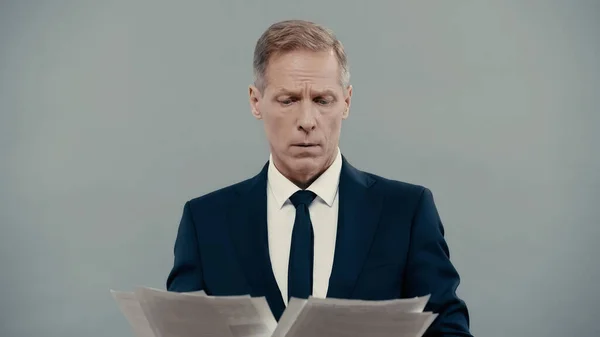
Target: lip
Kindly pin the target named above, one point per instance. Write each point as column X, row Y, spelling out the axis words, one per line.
column 305, row 145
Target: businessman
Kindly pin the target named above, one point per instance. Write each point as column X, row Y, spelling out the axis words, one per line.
column 310, row 224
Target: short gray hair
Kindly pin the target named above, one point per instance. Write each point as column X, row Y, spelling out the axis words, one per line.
column 290, row 35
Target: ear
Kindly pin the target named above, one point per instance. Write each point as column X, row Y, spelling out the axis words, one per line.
column 347, row 101
column 255, row 97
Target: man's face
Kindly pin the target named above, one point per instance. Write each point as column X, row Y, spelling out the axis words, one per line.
column 302, row 108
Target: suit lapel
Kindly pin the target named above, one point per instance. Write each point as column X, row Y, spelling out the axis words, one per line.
column 248, row 229
column 359, row 212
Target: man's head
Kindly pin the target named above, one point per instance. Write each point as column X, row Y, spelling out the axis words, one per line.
column 301, row 92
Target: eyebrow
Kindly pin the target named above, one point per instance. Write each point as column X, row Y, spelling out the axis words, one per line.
column 326, row 92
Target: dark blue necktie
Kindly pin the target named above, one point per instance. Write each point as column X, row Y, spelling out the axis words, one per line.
column 300, row 268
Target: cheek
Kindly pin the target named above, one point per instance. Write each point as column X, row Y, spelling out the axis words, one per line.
column 276, row 127
column 333, row 127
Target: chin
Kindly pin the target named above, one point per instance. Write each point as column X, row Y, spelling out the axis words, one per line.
column 305, row 164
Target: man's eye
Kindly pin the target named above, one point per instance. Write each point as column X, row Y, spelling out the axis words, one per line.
column 322, row 101
column 288, row 101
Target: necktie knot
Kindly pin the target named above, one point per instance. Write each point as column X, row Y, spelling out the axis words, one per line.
column 303, row 197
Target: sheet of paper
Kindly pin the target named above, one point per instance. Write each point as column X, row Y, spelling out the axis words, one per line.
column 265, row 313
column 289, row 316
column 427, row 323
column 323, row 319
column 183, row 315
column 131, row 309
column 199, row 292
column 261, row 314
column 196, row 314
column 158, row 313
column 243, row 316
column 416, row 304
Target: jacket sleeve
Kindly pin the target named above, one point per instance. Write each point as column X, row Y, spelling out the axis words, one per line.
column 186, row 274
column 429, row 271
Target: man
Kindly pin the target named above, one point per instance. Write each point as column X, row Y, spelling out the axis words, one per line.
column 309, row 223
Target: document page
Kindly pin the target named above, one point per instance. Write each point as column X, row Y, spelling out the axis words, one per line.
column 160, row 313
column 181, row 315
column 196, row 314
column 321, row 318
column 289, row 316
column 416, row 304
column 259, row 303
column 131, row 309
column 243, row 316
column 264, row 311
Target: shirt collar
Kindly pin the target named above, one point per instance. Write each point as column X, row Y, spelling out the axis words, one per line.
column 325, row 187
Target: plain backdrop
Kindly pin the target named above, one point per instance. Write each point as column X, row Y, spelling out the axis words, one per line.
column 114, row 113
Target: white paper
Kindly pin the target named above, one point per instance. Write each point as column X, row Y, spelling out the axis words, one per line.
column 320, row 319
column 199, row 292
column 198, row 315
column 261, row 313
column 243, row 316
column 289, row 316
column 416, row 304
column 181, row 315
column 264, row 311
column 159, row 313
column 131, row 309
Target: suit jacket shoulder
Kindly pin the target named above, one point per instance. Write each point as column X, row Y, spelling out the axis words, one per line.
column 223, row 197
column 398, row 192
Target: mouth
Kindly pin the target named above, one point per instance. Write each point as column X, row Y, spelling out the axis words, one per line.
column 305, row 145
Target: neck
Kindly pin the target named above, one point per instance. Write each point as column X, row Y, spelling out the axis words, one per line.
column 304, row 182
column 303, row 179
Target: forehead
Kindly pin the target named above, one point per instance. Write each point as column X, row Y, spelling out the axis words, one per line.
column 296, row 69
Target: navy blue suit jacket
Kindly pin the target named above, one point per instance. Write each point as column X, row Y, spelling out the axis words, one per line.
column 390, row 244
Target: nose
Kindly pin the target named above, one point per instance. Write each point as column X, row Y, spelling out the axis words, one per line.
column 307, row 120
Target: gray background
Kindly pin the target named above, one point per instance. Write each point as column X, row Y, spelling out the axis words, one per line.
column 114, row 113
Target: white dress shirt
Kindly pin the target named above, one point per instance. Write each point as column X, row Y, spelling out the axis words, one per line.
column 324, row 217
